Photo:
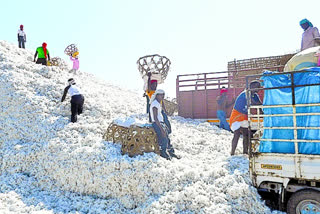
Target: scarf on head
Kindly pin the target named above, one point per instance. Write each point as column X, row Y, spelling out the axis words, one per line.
column 44, row 46
column 153, row 97
column 223, row 90
column 303, row 21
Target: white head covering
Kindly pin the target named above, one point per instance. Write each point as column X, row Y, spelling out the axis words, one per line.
column 153, row 97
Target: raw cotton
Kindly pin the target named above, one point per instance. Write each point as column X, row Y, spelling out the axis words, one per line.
column 50, row 165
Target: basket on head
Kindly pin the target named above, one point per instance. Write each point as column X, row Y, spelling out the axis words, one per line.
column 71, row 49
column 155, row 64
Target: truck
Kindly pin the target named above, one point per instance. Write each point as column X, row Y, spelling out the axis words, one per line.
column 196, row 93
column 290, row 179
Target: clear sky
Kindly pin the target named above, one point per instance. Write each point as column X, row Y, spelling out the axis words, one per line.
column 196, row 35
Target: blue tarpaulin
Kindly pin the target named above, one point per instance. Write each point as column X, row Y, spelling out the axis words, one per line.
column 303, row 95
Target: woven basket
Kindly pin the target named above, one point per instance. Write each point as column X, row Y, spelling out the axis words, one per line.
column 70, row 49
column 134, row 140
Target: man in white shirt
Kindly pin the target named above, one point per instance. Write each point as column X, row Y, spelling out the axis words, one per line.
column 310, row 36
column 159, row 126
column 77, row 99
column 22, row 37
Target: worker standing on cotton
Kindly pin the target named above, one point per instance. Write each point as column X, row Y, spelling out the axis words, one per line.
column 77, row 99
column 22, row 37
column 310, row 36
column 239, row 117
column 223, row 105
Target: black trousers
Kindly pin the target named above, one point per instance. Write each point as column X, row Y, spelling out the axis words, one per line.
column 236, row 136
column 42, row 61
column 148, row 108
column 21, row 42
column 76, row 106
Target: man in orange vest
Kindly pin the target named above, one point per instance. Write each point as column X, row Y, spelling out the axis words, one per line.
column 239, row 117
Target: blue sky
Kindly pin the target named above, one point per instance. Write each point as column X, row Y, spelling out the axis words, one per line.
column 196, row 35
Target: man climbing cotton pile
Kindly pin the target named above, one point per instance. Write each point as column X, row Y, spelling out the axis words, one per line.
column 166, row 149
column 239, row 117
column 77, row 99
column 42, row 53
column 310, row 36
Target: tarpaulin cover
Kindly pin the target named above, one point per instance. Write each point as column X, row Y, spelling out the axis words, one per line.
column 303, row 95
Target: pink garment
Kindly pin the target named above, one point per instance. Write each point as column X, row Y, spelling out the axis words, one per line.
column 75, row 63
column 223, row 90
column 308, row 38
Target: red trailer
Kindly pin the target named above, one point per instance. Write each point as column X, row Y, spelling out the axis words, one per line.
column 196, row 93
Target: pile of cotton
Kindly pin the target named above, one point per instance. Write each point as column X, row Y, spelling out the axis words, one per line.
column 49, row 165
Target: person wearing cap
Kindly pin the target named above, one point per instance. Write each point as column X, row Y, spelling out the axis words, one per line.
column 310, row 36
column 43, row 54
column 161, row 129
column 239, row 117
column 22, row 37
column 77, row 99
column 151, row 88
column 223, row 105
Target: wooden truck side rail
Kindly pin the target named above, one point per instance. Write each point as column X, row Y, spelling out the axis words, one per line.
column 196, row 93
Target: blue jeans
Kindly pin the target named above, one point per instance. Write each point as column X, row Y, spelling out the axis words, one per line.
column 223, row 121
column 163, row 141
column 166, row 121
column 21, row 42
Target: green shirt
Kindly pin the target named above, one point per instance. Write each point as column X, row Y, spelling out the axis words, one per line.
column 41, row 53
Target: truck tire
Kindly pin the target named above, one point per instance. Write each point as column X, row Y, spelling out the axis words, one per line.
column 304, row 202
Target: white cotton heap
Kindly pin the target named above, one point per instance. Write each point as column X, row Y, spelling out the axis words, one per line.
column 50, row 165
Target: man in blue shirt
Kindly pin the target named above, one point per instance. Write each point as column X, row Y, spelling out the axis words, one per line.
column 239, row 117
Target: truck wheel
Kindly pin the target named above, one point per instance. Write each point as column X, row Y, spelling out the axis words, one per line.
column 304, row 202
